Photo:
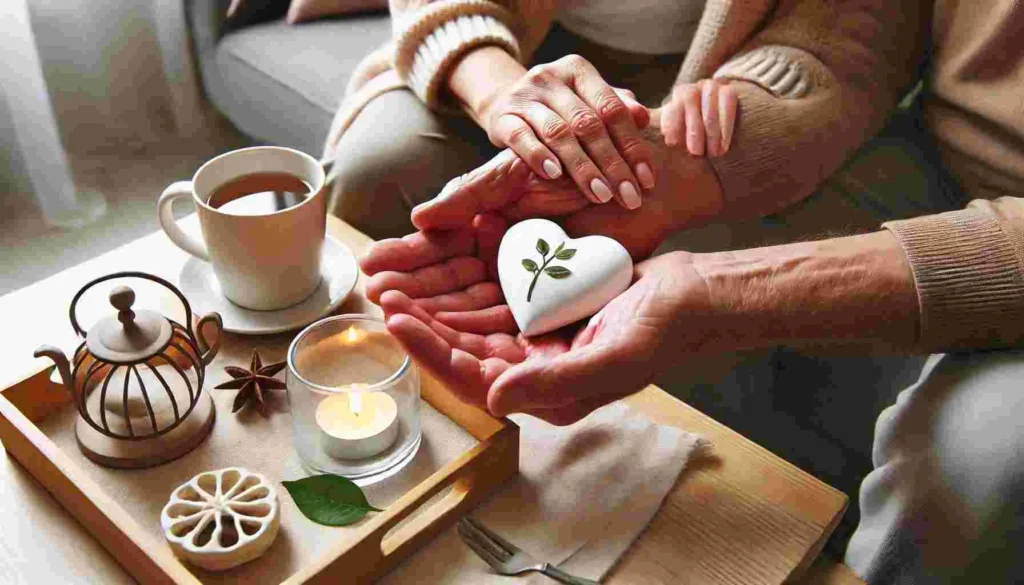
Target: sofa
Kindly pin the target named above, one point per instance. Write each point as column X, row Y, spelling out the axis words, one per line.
column 279, row 83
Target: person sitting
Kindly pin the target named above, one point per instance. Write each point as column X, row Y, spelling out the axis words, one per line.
column 941, row 499
column 453, row 88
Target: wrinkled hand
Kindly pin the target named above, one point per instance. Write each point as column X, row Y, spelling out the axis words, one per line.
column 563, row 116
column 687, row 194
column 441, row 300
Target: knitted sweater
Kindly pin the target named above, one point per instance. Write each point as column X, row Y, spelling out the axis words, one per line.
column 816, row 79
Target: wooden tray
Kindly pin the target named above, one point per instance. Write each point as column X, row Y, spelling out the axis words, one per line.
column 422, row 512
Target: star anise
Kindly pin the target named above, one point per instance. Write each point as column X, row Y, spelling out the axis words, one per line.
column 252, row 383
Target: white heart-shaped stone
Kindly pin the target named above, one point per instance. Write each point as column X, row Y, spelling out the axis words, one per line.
column 571, row 279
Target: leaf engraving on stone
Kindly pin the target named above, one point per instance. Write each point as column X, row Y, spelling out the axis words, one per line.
column 556, row 272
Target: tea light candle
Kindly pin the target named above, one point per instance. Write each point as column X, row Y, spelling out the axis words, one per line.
column 357, row 425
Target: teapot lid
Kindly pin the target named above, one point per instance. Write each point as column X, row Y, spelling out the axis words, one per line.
column 128, row 336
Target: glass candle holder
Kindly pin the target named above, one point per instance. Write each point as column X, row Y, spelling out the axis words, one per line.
column 355, row 397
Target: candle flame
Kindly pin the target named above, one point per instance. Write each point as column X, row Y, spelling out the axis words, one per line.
column 353, row 335
column 355, row 402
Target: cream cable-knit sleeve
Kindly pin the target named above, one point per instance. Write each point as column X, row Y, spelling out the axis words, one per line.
column 431, row 42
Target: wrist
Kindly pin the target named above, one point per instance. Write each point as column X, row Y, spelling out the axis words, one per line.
column 480, row 76
column 855, row 289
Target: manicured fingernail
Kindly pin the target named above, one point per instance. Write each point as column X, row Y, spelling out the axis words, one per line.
column 629, row 195
column 552, row 169
column 601, row 191
column 645, row 176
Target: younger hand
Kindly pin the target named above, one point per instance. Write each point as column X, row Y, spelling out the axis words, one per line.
column 700, row 115
column 562, row 117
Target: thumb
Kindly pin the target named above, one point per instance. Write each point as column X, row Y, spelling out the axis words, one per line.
column 490, row 187
column 581, row 374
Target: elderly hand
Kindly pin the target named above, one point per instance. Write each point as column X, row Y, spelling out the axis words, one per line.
column 442, row 302
column 563, row 116
column 687, row 194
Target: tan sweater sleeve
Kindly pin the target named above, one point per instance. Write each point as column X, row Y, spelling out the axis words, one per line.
column 813, row 85
column 968, row 267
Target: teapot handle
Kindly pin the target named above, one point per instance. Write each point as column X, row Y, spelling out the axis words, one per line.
column 209, row 351
column 129, row 274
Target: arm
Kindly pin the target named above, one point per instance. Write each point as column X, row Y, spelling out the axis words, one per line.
column 813, row 85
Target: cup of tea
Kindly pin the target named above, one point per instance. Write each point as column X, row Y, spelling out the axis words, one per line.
column 263, row 213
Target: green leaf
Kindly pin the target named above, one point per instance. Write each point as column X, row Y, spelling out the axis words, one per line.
column 565, row 254
column 558, row 272
column 329, row 499
column 542, row 247
column 559, row 248
column 529, row 265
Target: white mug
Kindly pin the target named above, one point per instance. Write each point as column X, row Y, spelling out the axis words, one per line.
column 263, row 262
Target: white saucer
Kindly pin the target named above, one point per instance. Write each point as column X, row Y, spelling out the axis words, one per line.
column 340, row 273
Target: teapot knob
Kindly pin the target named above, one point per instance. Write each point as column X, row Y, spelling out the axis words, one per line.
column 122, row 298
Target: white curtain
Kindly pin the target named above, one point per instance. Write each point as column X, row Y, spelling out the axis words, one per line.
column 33, row 136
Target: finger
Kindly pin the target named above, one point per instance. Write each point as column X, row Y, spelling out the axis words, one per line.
column 513, row 132
column 490, row 229
column 727, row 106
column 475, row 297
column 617, row 118
column 673, row 122
column 417, row 250
column 575, row 412
column 591, row 371
column 460, row 372
column 437, row 279
column 490, row 187
column 491, row 346
column 604, row 128
column 691, row 99
column 494, row 319
column 640, row 113
column 560, row 137
column 709, row 113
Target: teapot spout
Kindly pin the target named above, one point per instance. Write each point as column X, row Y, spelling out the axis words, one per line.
column 61, row 360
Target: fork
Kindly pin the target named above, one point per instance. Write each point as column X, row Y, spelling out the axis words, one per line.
column 506, row 558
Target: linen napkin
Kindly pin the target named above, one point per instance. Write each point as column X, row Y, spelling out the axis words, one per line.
column 583, row 495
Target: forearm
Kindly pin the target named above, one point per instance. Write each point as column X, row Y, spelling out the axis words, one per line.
column 480, row 74
column 843, row 290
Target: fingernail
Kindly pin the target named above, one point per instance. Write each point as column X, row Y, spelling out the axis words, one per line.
column 645, row 176
column 552, row 169
column 629, row 195
column 601, row 191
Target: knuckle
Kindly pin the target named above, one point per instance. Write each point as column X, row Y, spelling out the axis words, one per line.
column 538, row 75
column 520, row 134
column 633, row 147
column 586, row 124
column 574, row 62
column 616, row 168
column 610, row 107
column 555, row 129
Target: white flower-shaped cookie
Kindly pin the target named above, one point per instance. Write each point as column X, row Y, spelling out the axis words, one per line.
column 220, row 519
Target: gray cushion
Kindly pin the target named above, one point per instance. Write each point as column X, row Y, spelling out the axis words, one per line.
column 281, row 84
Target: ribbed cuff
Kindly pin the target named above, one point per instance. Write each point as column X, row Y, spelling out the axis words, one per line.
column 776, row 69
column 968, row 278
column 441, row 34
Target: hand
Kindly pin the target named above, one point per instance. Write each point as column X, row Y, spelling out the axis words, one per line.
column 446, row 309
column 564, row 116
column 687, row 194
column 700, row 115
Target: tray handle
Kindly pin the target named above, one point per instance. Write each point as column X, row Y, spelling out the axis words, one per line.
column 473, row 476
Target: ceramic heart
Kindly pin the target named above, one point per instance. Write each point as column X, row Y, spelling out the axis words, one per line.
column 551, row 280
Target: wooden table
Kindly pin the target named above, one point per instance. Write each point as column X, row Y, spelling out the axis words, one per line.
column 741, row 516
